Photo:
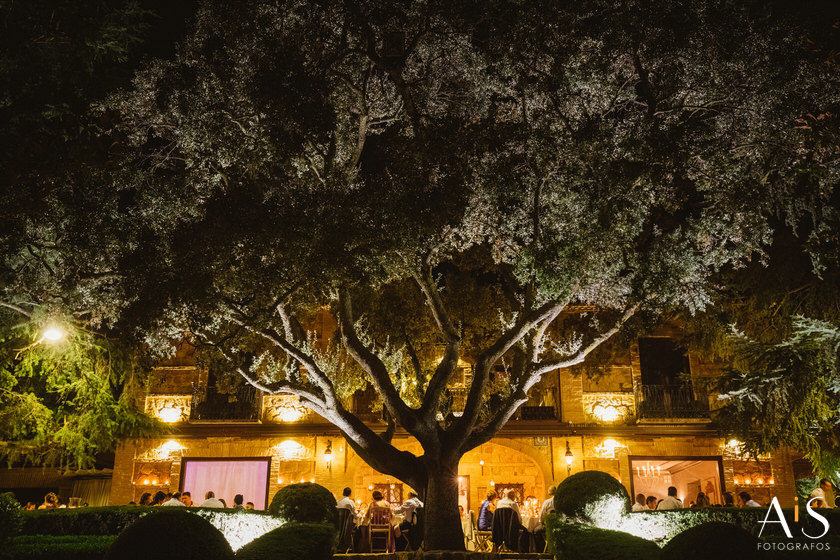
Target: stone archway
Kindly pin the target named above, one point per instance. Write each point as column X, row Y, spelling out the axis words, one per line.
column 506, row 461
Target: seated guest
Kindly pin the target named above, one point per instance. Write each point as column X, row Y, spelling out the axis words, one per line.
column 485, row 514
column 249, row 505
column 508, row 501
column 146, row 499
column 210, row 501
column 702, row 501
column 640, row 503
column 547, row 506
column 408, row 508
column 746, row 500
column 671, row 502
column 224, row 503
column 237, row 502
column 728, row 499
column 186, row 499
column 823, row 494
column 346, row 503
column 158, row 498
column 651, row 502
column 378, row 502
column 460, row 511
column 175, row 500
column 50, row 501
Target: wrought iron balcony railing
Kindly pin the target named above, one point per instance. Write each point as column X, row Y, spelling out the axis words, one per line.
column 672, row 401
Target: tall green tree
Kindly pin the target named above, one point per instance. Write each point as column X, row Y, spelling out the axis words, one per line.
column 388, row 158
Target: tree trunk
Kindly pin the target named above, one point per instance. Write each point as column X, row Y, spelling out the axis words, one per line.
column 443, row 529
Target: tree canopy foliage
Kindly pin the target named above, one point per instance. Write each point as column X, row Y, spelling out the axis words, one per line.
column 455, row 176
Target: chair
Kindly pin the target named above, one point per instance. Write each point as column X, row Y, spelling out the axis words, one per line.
column 380, row 528
column 415, row 531
column 480, row 538
column 506, row 530
column 346, row 525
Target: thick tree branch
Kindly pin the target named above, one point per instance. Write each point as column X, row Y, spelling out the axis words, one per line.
column 542, row 368
column 465, row 424
column 376, row 370
column 16, row 308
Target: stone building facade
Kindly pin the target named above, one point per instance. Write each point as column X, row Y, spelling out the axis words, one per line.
column 635, row 422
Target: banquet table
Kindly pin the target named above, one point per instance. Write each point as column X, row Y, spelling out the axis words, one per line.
column 360, row 538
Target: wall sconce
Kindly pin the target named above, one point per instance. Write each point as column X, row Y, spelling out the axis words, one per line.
column 482, row 466
column 570, row 458
column 328, row 455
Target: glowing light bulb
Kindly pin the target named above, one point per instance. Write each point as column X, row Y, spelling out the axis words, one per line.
column 481, row 462
column 53, row 334
column 279, row 481
column 370, row 486
column 311, row 480
column 492, row 483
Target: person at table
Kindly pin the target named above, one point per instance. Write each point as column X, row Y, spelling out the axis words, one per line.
column 640, row 504
column 509, row 501
column 210, row 501
column 671, row 502
column 186, row 499
column 408, row 509
column 378, row 502
column 746, row 500
column 702, row 501
column 651, row 502
column 146, row 499
column 485, row 514
column 547, row 506
column 237, row 502
column 174, row 500
column 159, row 498
column 824, row 495
column 346, row 502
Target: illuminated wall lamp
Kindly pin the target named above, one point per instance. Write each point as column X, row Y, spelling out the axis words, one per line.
column 570, row 458
column 328, row 455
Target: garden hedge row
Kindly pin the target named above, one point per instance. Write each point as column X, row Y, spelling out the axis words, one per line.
column 294, row 541
column 662, row 526
column 575, row 541
column 40, row 547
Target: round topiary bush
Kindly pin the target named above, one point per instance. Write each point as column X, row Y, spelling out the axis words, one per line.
column 305, row 503
column 716, row 539
column 594, row 498
column 295, row 541
column 170, row 534
column 582, row 542
column 9, row 516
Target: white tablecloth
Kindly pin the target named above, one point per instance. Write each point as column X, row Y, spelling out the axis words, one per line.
column 530, row 523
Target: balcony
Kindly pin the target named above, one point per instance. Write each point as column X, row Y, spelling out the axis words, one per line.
column 671, row 401
column 208, row 404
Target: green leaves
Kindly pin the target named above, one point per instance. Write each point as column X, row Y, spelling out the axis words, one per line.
column 67, row 401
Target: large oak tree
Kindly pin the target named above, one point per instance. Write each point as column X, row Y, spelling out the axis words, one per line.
column 372, row 157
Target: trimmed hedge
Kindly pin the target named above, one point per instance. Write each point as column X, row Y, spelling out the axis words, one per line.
column 9, row 516
column 574, row 541
column 717, row 539
column 594, row 498
column 306, row 502
column 109, row 520
column 169, row 534
column 295, row 541
column 41, row 547
column 661, row 526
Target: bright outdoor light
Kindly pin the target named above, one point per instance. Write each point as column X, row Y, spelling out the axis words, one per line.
column 169, row 415
column 53, row 334
column 569, row 459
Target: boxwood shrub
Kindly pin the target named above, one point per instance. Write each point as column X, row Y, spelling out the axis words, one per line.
column 110, row 520
column 294, row 541
column 305, row 503
column 662, row 526
column 575, row 541
column 712, row 540
column 170, row 534
column 42, row 547
column 9, row 516
column 594, row 498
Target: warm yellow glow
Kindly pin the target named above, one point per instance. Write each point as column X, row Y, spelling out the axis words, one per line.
column 492, row 483
column 171, row 446
column 608, row 447
column 770, row 480
column 481, row 462
column 370, row 486
column 760, row 481
column 312, row 480
column 302, row 480
column 147, row 481
column 279, row 481
column 170, row 414
column 460, row 479
column 606, row 413
column 290, row 449
column 734, row 443
column 328, row 457
column 290, row 414
column 53, row 334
